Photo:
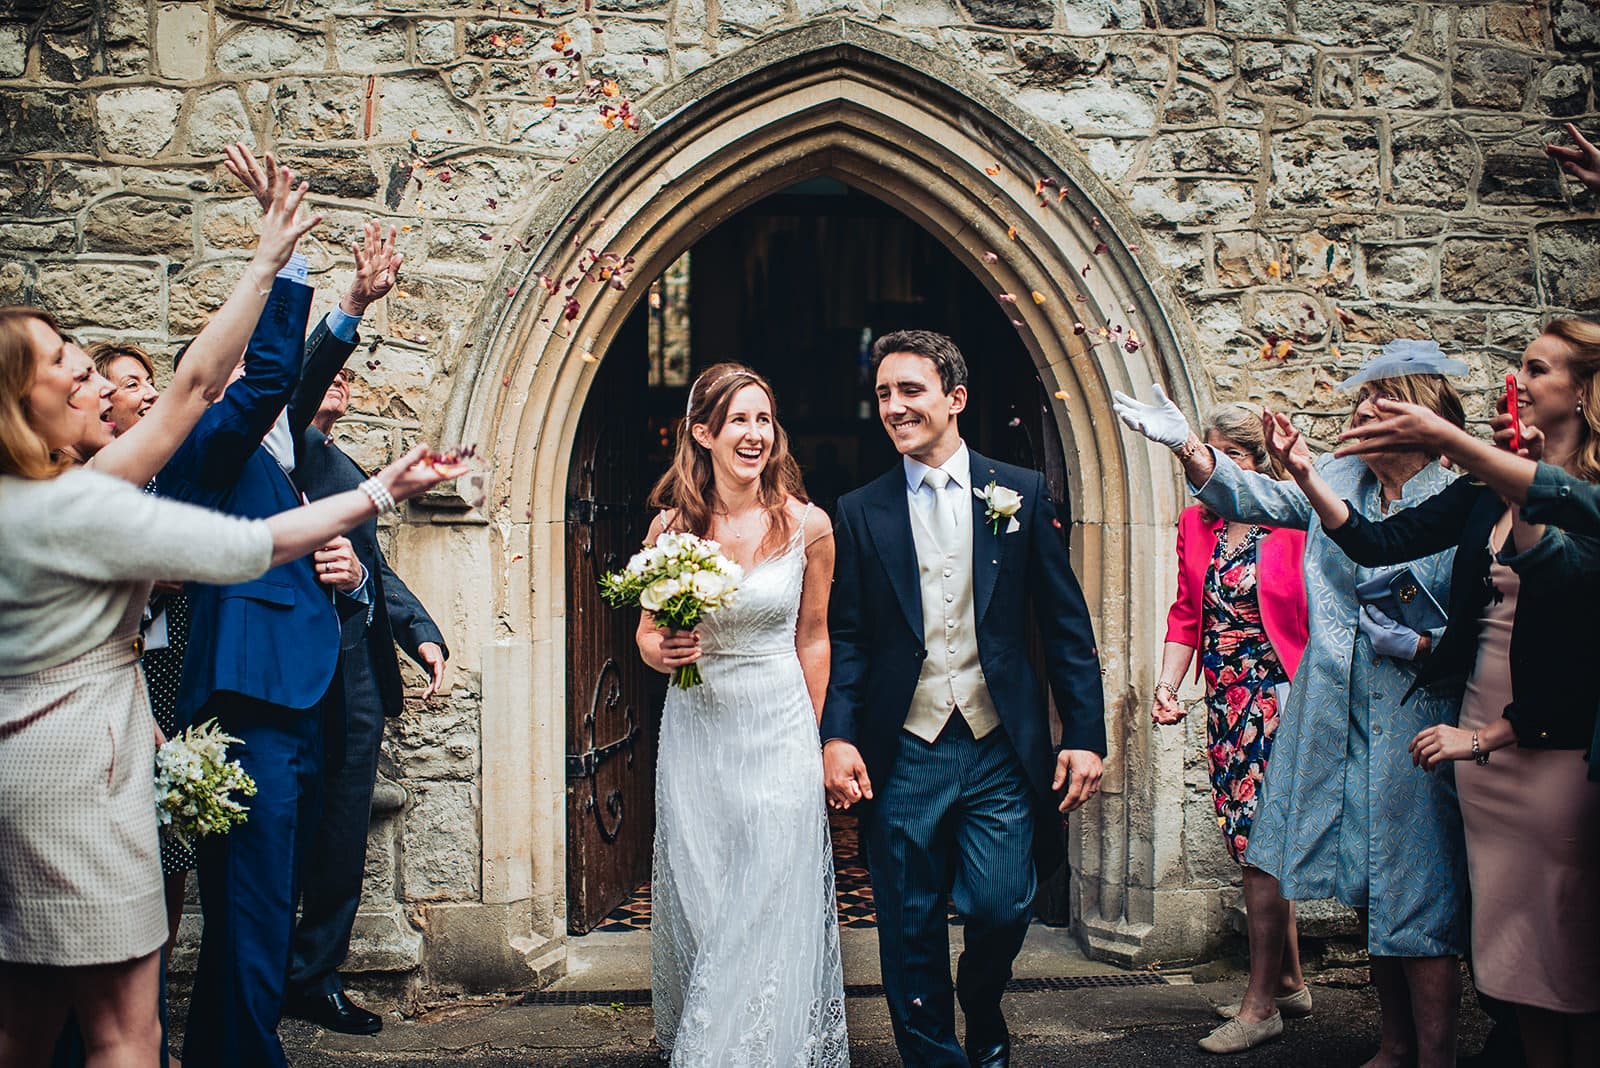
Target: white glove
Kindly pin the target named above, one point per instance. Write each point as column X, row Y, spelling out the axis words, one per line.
column 1162, row 422
column 1388, row 637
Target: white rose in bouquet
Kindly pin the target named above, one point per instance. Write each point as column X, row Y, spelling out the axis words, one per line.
column 677, row 580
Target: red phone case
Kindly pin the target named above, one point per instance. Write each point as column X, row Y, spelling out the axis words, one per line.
column 1511, row 409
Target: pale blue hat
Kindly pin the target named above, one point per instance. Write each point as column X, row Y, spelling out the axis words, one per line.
column 1406, row 356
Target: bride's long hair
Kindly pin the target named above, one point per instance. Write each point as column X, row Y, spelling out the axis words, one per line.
column 688, row 489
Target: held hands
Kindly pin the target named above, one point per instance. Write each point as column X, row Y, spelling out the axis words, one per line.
column 337, row 566
column 1388, row 637
column 1079, row 770
column 1437, row 744
column 433, row 656
column 1581, row 159
column 1162, row 422
column 844, row 775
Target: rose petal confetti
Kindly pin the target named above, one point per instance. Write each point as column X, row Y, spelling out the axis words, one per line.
column 992, row 171
column 1274, row 269
column 991, row 257
column 1006, row 298
column 1061, row 394
column 1038, row 297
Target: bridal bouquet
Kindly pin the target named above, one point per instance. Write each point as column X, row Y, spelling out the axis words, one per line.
column 195, row 784
column 677, row 580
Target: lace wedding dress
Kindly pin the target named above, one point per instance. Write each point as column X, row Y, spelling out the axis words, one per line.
column 744, row 934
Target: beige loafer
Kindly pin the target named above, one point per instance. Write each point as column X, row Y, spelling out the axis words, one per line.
column 1236, row 1036
column 1296, row 1006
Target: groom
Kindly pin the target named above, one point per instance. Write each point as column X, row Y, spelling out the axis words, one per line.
column 933, row 711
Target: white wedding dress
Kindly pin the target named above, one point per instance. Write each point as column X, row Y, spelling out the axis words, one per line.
column 744, row 936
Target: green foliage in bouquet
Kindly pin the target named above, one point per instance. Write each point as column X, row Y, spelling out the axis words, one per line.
column 677, row 580
column 197, row 786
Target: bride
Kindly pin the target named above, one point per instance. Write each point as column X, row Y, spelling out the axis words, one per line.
column 744, row 933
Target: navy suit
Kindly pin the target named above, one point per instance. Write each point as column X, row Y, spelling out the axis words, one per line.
column 373, row 690
column 963, row 815
column 262, row 659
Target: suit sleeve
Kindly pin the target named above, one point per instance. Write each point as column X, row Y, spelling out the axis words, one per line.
column 325, row 354
column 1411, row 533
column 1072, row 662
column 847, row 676
column 1183, row 618
column 409, row 622
column 212, row 457
column 1251, row 497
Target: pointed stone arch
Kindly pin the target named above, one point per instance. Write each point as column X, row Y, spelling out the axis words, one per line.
column 906, row 125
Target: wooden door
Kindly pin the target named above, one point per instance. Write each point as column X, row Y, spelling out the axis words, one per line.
column 613, row 699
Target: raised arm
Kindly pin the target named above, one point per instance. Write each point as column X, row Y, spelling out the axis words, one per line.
column 210, row 459
column 1411, row 533
column 1288, row 447
column 211, row 359
column 377, row 270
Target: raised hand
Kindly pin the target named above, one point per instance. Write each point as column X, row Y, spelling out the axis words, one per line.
column 1162, row 422
column 1079, row 770
column 1404, row 427
column 1286, row 444
column 421, row 469
column 377, row 269
column 1580, row 159
column 241, row 163
column 282, row 226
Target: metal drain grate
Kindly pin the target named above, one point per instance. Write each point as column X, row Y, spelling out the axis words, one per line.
column 858, row 990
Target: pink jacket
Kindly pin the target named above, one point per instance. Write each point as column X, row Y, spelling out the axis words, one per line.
column 1280, row 586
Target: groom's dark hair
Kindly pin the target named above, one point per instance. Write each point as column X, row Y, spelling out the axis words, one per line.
column 946, row 357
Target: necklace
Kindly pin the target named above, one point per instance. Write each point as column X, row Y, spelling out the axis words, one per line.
column 734, row 531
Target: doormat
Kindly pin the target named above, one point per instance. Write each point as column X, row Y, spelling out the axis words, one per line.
column 622, row 998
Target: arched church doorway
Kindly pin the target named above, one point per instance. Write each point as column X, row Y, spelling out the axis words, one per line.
column 796, row 285
column 966, row 165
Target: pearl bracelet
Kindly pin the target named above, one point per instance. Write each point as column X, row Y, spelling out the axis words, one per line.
column 381, row 498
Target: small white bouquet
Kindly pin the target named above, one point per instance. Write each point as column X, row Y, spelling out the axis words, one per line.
column 677, row 580
column 196, row 784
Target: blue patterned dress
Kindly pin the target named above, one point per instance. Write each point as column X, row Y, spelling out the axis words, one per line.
column 1343, row 812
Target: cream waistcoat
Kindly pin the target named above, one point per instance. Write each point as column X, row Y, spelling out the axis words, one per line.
column 951, row 679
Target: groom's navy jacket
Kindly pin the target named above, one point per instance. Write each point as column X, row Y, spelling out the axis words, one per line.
column 875, row 622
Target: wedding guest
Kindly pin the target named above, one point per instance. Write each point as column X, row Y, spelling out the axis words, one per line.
column 83, row 914
column 1241, row 605
column 263, row 660
column 132, row 375
column 1344, row 814
column 373, row 690
column 1521, row 634
column 740, row 818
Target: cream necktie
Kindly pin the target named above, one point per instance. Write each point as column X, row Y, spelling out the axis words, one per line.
column 944, row 519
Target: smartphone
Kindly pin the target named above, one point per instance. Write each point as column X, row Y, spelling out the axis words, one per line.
column 1511, row 410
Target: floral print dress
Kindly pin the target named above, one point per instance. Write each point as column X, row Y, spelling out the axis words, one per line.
column 1242, row 676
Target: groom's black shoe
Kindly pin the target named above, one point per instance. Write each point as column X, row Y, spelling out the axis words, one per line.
column 988, row 1041
column 335, row 1012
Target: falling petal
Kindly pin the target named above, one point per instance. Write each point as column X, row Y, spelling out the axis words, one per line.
column 1284, row 349
column 1085, row 271
column 1038, row 297
column 1133, row 249
column 991, row 257
column 1100, row 247
column 589, row 357
column 1078, row 328
column 1131, row 345
column 1266, row 351
column 1011, row 232
column 1274, row 269
column 1061, row 394
column 1006, row 298
column 1017, row 323
column 992, row 171
column 1334, row 350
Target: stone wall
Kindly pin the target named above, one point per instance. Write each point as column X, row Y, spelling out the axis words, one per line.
column 1312, row 176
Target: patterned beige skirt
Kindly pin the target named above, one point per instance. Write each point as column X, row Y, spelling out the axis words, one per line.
column 80, row 871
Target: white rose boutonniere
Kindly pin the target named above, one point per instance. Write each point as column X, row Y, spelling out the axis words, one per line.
column 1000, row 503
